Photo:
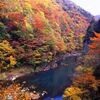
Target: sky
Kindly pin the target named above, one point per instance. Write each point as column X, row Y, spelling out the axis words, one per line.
column 92, row 6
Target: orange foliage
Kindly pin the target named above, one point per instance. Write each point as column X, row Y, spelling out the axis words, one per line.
column 93, row 45
column 96, row 43
column 15, row 92
column 97, row 35
column 2, row 5
column 86, row 80
column 38, row 23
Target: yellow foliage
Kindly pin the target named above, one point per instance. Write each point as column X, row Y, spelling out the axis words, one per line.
column 81, row 35
column 27, row 8
column 28, row 26
column 72, row 91
column 6, row 55
column 12, row 61
column 5, row 46
column 79, row 68
column 84, row 69
column 75, row 97
column 46, row 3
column 36, row 53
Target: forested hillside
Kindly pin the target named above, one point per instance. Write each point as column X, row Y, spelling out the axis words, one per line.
column 70, row 6
column 32, row 32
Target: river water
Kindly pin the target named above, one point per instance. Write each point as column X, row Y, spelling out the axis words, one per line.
column 53, row 81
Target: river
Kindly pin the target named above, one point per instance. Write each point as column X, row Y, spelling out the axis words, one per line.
column 54, row 81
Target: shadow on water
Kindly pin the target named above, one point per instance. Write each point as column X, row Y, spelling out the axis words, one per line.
column 54, row 81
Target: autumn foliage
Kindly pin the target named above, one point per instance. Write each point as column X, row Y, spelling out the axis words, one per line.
column 84, row 85
column 40, row 28
column 14, row 92
column 7, row 58
column 95, row 46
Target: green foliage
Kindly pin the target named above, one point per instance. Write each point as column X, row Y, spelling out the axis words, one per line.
column 3, row 31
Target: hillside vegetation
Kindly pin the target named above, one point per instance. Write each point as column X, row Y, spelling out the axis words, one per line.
column 33, row 32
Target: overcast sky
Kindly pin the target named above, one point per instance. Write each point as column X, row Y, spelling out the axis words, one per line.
column 92, row 6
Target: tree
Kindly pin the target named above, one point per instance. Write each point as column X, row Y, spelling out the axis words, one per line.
column 7, row 58
column 95, row 46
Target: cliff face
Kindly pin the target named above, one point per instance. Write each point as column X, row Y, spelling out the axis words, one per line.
column 33, row 31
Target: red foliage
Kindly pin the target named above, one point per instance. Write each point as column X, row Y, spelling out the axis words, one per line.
column 38, row 23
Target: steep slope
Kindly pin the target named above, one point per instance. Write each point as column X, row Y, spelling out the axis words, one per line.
column 77, row 15
column 69, row 6
column 33, row 31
